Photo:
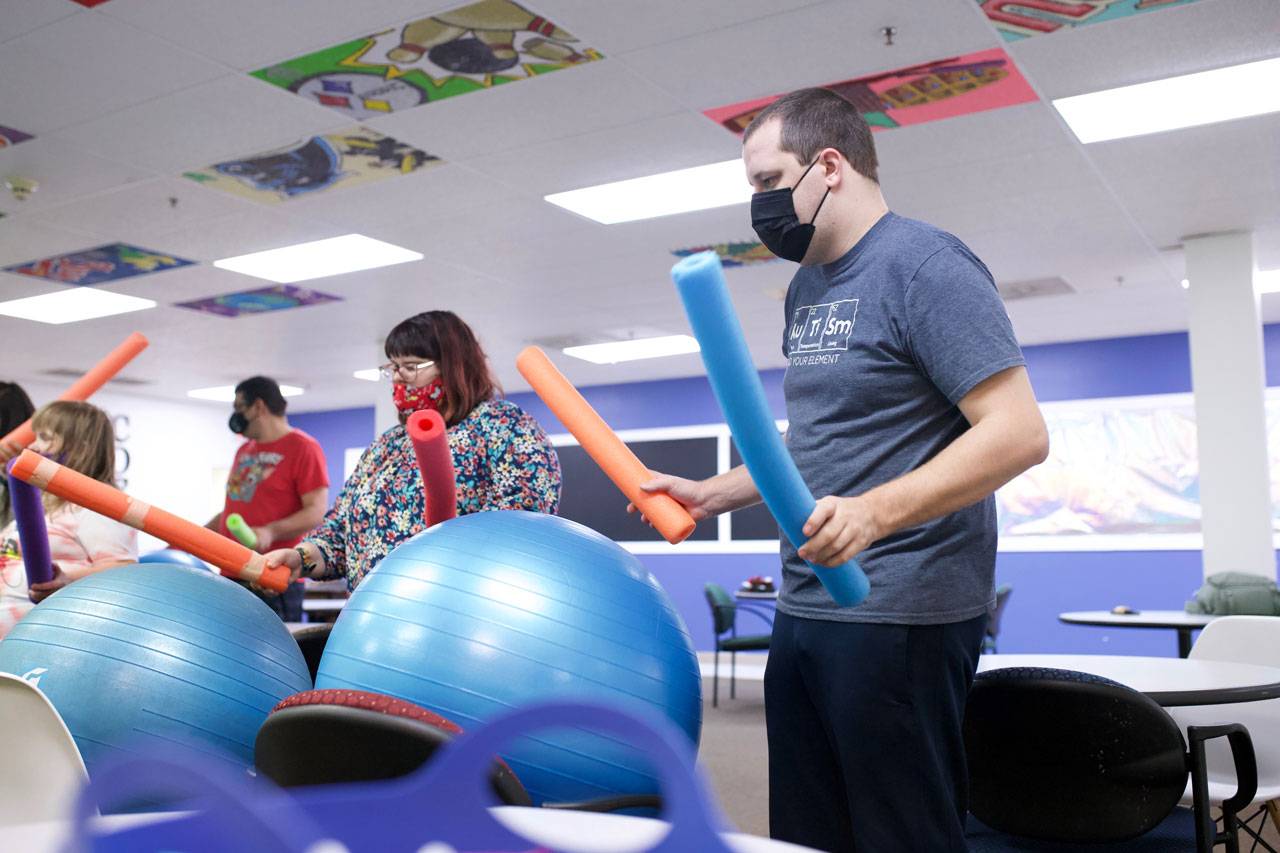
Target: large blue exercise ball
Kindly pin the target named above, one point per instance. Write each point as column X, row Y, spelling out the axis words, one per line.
column 174, row 557
column 486, row 612
column 149, row 656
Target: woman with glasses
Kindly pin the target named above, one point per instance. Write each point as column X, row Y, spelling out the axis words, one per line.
column 501, row 457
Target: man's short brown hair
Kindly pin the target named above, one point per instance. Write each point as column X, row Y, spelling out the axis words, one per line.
column 814, row 119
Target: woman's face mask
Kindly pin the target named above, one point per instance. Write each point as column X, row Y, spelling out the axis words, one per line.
column 409, row 400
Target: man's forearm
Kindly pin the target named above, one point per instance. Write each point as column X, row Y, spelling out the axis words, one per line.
column 732, row 490
column 988, row 455
column 302, row 521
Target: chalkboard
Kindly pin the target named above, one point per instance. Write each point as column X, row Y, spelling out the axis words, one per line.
column 754, row 522
column 591, row 498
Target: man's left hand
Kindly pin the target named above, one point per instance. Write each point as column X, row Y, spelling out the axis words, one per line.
column 838, row 530
column 38, row 592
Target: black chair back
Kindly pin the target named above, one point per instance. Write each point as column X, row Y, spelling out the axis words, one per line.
column 1065, row 756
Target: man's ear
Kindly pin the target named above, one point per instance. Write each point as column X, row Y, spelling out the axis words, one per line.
column 832, row 163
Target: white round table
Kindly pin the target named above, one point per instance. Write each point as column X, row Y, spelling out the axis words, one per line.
column 1182, row 622
column 1169, row 681
column 561, row 830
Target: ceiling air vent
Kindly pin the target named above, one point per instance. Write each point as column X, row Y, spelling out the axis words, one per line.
column 1034, row 287
column 68, row 373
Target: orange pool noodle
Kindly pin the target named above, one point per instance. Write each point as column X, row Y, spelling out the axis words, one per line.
column 601, row 443
column 84, row 387
column 231, row 557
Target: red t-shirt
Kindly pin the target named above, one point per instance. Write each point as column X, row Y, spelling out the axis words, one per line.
column 268, row 480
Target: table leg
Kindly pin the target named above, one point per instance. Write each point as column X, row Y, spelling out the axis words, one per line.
column 1184, row 642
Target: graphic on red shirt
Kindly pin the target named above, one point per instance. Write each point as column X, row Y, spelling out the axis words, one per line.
column 267, row 480
column 250, row 470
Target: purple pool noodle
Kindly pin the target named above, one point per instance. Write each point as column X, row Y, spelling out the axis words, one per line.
column 28, row 512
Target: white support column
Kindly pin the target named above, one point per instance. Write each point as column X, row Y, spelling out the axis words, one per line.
column 1229, row 380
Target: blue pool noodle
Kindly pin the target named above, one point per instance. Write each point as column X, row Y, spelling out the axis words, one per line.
column 700, row 281
column 28, row 512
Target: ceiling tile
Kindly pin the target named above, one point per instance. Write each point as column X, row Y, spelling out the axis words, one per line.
column 233, row 116
column 89, row 65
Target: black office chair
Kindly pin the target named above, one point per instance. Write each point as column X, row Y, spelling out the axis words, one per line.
column 311, row 640
column 724, row 618
column 322, row 737
column 993, row 620
column 1059, row 759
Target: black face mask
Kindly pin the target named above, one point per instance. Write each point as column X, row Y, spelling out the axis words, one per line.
column 773, row 216
column 238, row 423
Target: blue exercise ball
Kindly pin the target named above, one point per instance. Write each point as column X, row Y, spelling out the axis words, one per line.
column 173, row 556
column 148, row 656
column 490, row 611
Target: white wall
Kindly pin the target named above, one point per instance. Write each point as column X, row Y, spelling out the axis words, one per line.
column 178, row 454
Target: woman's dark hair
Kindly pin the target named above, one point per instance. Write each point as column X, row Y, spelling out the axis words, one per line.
column 15, row 408
column 464, row 369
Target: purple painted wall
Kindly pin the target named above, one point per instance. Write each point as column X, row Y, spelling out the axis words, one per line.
column 1044, row 584
column 336, row 430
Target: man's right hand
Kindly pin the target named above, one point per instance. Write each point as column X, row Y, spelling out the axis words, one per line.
column 693, row 495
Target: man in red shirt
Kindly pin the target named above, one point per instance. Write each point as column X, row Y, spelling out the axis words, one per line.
column 278, row 483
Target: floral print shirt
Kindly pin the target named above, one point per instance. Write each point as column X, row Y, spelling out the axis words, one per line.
column 501, row 460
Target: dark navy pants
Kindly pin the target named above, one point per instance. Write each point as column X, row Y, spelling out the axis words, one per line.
column 865, row 745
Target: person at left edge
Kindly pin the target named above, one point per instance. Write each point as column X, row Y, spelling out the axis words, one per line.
column 278, row 483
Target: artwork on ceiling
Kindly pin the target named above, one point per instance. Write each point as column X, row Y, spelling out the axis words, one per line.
column 944, row 88
column 1127, row 467
column 101, row 264
column 1019, row 19
column 462, row 50
column 342, row 159
column 9, row 136
column 280, row 297
column 733, row 254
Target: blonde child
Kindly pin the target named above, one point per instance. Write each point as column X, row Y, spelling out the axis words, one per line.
column 81, row 542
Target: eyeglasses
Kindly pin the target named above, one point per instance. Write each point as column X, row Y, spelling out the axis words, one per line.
column 390, row 369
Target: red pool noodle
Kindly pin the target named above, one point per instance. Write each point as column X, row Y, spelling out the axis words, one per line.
column 431, row 445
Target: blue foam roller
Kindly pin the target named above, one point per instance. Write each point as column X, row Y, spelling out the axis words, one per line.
column 700, row 281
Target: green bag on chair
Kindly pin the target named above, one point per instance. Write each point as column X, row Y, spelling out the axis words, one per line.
column 1236, row 594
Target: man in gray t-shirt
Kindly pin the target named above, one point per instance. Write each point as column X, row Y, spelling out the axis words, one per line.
column 908, row 406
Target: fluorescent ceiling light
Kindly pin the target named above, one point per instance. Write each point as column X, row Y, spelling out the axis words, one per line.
column 1267, row 281
column 227, row 393
column 319, row 258
column 372, row 374
column 1193, row 99
column 699, row 188
column 633, row 350
column 72, row 305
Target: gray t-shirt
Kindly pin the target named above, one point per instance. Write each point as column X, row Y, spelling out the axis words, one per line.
column 882, row 344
